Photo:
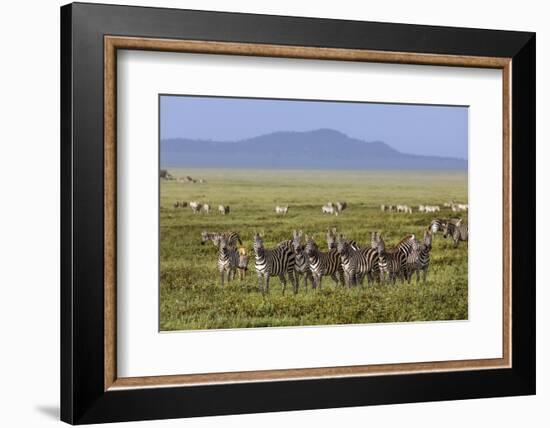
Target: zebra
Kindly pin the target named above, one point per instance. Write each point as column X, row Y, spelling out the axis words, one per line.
column 356, row 263
column 242, row 264
column 328, row 209
column 228, row 260
column 431, row 208
column 232, row 238
column 206, row 208
column 341, row 206
column 322, row 264
column 223, row 209
column 438, row 224
column 301, row 265
column 458, row 232
column 419, row 259
column 279, row 209
column 195, row 206
column 275, row 262
column 331, row 240
column 391, row 263
column 459, row 207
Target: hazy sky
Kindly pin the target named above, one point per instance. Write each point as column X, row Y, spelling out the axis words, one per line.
column 416, row 129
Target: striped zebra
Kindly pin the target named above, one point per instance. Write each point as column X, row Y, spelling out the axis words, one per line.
column 438, row 224
column 328, row 209
column 301, row 265
column 223, row 209
column 391, row 263
column 357, row 263
column 232, row 238
column 195, row 206
column 228, row 260
column 419, row 259
column 332, row 238
column 323, row 264
column 341, row 206
column 280, row 209
column 458, row 232
column 275, row 262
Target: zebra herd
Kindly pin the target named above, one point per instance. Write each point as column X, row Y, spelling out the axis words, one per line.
column 345, row 262
column 424, row 208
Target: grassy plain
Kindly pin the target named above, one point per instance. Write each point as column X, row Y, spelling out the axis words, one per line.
column 191, row 296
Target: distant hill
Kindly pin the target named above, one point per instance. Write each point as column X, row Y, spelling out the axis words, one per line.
column 318, row 149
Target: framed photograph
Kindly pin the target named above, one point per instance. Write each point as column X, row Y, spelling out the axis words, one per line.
column 266, row 213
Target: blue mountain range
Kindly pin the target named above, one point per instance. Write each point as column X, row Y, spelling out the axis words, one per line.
column 317, row 149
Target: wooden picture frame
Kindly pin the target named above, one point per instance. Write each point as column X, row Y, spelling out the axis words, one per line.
column 91, row 390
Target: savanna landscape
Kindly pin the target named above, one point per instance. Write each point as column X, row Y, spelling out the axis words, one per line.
column 191, row 295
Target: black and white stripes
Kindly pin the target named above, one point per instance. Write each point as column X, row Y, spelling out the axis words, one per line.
column 278, row 261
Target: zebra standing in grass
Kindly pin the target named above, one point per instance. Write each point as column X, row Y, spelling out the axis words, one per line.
column 458, row 232
column 323, row 264
column 301, row 265
column 341, row 206
column 438, row 224
column 275, row 262
column 357, row 263
column 223, row 209
column 228, row 260
column 279, row 209
column 195, row 206
column 419, row 259
column 232, row 238
column 328, row 209
column 391, row 263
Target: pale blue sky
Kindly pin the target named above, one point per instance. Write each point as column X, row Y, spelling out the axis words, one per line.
column 409, row 128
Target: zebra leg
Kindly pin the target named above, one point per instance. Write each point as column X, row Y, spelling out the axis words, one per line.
column 266, row 279
column 425, row 274
column 260, row 283
column 334, row 278
column 222, row 276
column 294, row 280
column 283, row 282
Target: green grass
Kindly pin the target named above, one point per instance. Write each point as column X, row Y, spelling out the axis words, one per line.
column 191, row 296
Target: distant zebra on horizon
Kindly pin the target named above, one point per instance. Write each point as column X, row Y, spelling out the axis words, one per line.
column 458, row 232
column 357, row 263
column 277, row 261
column 280, row 209
column 323, row 264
